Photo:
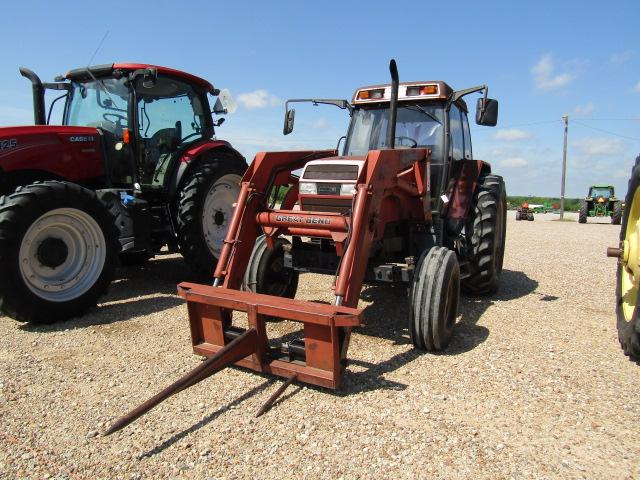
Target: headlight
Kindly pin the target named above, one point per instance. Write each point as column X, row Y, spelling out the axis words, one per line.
column 347, row 189
column 308, row 188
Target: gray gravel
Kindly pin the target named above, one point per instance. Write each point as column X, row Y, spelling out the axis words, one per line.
column 534, row 384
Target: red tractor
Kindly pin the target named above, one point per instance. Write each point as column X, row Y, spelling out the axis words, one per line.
column 406, row 203
column 134, row 167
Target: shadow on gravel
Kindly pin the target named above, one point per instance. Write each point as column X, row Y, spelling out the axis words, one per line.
column 160, row 275
column 387, row 317
column 208, row 419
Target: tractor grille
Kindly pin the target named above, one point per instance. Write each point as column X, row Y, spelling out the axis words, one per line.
column 331, row 171
column 328, row 205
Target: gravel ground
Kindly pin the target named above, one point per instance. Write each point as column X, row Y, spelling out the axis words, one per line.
column 534, row 384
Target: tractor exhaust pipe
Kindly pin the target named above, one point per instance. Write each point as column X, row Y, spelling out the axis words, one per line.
column 39, row 115
column 393, row 106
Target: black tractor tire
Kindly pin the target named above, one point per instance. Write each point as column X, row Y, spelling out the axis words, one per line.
column 486, row 230
column 266, row 272
column 211, row 185
column 518, row 216
column 434, row 295
column 58, row 251
column 616, row 216
column 530, row 217
column 133, row 259
column 628, row 328
column 583, row 213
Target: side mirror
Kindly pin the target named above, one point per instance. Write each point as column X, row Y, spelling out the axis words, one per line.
column 487, row 112
column 289, row 118
column 218, row 108
column 225, row 103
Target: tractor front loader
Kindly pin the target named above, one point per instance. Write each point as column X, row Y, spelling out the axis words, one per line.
column 389, row 214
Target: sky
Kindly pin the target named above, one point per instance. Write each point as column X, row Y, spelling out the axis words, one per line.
column 541, row 60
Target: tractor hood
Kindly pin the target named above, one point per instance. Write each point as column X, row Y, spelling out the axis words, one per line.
column 51, row 151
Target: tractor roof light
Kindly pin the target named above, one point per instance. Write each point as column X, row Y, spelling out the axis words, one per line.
column 373, row 94
column 422, row 90
column 407, row 92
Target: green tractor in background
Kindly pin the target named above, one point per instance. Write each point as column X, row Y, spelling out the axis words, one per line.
column 601, row 202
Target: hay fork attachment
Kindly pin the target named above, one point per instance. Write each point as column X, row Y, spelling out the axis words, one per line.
column 320, row 356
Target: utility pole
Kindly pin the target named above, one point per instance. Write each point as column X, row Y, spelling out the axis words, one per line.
column 565, row 119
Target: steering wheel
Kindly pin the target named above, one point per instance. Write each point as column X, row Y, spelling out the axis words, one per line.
column 119, row 118
column 415, row 144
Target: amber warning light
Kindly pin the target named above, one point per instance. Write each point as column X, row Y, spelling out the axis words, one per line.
column 418, row 90
column 377, row 94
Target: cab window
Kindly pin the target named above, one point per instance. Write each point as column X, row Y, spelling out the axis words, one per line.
column 457, row 141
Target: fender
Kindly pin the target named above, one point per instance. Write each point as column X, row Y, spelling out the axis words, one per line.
column 193, row 154
column 466, row 174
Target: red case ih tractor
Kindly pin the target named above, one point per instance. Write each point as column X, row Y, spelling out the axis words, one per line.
column 134, row 167
column 406, row 203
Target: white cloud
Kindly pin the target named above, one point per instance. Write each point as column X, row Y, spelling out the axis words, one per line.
column 515, row 162
column 600, row 146
column 637, row 87
column 510, row 134
column 545, row 77
column 584, row 110
column 621, row 57
column 258, row 99
column 320, row 124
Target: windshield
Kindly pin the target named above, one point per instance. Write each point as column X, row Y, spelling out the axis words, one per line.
column 417, row 126
column 100, row 104
column 600, row 192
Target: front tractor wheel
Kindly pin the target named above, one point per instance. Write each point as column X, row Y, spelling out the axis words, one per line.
column 204, row 212
column 435, row 293
column 628, row 276
column 616, row 216
column 58, row 251
column 583, row 213
column 267, row 273
column 486, row 231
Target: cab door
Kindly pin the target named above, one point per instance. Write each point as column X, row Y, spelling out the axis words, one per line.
column 171, row 116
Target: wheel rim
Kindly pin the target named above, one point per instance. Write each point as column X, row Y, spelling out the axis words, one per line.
column 62, row 254
column 629, row 261
column 217, row 211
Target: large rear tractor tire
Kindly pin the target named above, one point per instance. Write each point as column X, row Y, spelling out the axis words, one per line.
column 628, row 276
column 530, row 217
column 616, row 216
column 583, row 213
column 205, row 207
column 58, row 251
column 486, row 230
column 435, row 293
column 266, row 272
column 518, row 216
